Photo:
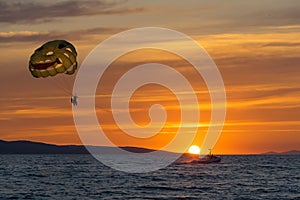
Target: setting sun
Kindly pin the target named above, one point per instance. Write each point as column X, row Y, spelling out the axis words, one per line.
column 194, row 149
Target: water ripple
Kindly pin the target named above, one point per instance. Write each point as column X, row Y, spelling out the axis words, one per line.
column 82, row 177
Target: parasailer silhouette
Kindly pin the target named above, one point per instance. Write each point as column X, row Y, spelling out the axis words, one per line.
column 74, row 100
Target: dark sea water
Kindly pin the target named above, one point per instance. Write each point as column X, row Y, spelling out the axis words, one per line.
column 83, row 177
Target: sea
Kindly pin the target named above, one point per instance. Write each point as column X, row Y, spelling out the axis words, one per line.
column 83, row 177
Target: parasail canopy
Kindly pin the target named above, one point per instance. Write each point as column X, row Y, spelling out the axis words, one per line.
column 52, row 58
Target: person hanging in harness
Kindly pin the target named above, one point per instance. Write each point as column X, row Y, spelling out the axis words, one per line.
column 74, row 100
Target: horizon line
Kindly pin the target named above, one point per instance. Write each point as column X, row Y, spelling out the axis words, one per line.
column 81, row 145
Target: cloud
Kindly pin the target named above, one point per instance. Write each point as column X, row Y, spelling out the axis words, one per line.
column 35, row 113
column 29, row 12
column 22, row 36
column 247, row 16
column 34, row 36
column 282, row 44
column 20, row 33
column 287, row 27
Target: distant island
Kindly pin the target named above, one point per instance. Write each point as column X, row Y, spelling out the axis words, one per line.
column 292, row 152
column 28, row 147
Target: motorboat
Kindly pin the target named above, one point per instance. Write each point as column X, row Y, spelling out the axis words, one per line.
column 210, row 158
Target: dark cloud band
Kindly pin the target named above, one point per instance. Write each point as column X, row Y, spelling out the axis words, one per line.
column 31, row 11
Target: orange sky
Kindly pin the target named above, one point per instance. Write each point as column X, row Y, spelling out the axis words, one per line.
column 257, row 53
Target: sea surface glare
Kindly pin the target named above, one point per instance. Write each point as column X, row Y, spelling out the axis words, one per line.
column 83, row 177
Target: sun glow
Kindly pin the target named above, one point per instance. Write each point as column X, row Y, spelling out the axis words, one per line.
column 194, row 149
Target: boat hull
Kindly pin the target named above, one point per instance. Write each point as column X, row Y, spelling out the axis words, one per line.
column 214, row 159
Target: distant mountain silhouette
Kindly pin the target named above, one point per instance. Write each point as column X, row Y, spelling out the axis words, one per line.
column 292, row 152
column 270, row 152
column 28, row 147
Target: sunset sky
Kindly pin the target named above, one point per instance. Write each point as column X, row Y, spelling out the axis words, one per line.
column 255, row 44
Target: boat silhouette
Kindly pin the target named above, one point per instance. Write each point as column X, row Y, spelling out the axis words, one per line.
column 210, row 158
